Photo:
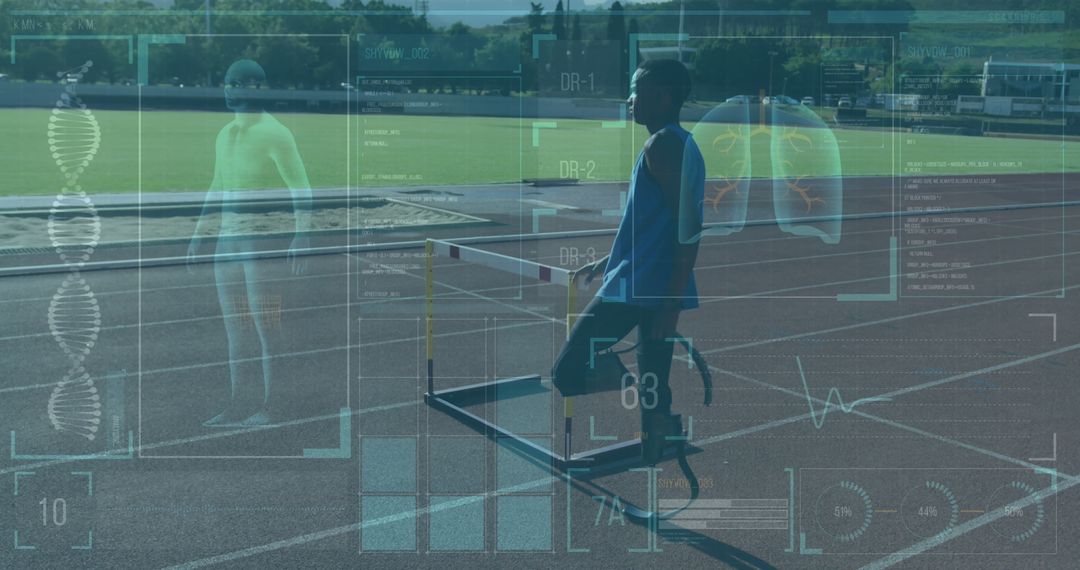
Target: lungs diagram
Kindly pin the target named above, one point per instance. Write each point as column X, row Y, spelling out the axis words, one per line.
column 807, row 179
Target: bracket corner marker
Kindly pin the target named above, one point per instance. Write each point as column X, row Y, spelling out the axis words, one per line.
column 569, row 475
column 621, row 208
column 894, row 281
column 652, row 502
column 145, row 40
column 592, row 348
column 344, row 448
column 689, row 348
column 791, row 509
column 17, row 475
column 19, row 546
column 621, row 297
column 89, row 545
column 1053, row 322
column 536, row 39
column 108, row 454
column 128, row 38
column 1053, row 455
column 1052, row 473
column 592, row 432
column 89, row 480
column 536, row 213
column 804, row 550
column 537, row 125
column 618, row 124
column 688, row 437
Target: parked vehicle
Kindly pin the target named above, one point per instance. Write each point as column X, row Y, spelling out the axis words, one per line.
column 780, row 100
column 844, row 103
column 752, row 99
column 808, row 101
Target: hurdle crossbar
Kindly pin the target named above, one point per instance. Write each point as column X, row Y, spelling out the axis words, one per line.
column 452, row 401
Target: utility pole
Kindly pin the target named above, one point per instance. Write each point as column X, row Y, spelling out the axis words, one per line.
column 719, row 17
column 772, row 54
column 682, row 15
column 208, row 38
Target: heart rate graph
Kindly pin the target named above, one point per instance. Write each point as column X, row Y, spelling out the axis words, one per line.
column 819, row 420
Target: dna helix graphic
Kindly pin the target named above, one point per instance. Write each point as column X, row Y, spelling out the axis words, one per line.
column 74, row 317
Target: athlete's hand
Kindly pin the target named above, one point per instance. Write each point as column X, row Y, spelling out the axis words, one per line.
column 300, row 245
column 585, row 275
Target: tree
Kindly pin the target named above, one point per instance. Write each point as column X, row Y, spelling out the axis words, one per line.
column 463, row 44
column 76, row 52
column 956, row 80
column 616, row 31
column 288, row 60
column 497, row 53
column 535, row 19
column 577, row 48
column 802, row 72
column 558, row 25
column 631, row 30
column 616, row 28
column 535, row 23
column 38, row 61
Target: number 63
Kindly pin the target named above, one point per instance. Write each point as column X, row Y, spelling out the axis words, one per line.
column 649, row 382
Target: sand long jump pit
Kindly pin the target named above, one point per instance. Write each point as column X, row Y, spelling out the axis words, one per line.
column 22, row 229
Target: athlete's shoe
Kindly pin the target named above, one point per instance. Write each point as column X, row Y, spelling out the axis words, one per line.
column 227, row 418
column 265, row 417
column 656, row 431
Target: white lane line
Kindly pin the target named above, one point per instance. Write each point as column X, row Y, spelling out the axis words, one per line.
column 546, row 204
column 404, row 515
column 973, row 524
column 738, row 433
column 221, row 434
column 739, row 240
column 702, row 268
column 408, row 514
column 715, row 300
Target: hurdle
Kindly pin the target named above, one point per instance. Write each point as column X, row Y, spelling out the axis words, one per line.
column 452, row 401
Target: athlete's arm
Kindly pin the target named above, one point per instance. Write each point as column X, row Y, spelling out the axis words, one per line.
column 664, row 159
column 287, row 157
column 213, row 199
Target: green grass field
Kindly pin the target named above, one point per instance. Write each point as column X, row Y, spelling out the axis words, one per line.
column 176, row 151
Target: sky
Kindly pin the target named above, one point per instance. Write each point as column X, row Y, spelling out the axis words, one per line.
column 503, row 5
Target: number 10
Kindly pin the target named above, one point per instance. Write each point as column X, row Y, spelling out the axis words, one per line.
column 59, row 512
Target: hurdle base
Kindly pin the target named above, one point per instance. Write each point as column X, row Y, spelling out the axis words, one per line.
column 451, row 400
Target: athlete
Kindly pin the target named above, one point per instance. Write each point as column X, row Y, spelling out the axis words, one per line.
column 648, row 278
column 253, row 151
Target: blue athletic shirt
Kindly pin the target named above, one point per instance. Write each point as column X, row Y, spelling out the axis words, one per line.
column 643, row 255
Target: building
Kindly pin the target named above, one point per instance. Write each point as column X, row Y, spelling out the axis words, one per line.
column 1053, row 82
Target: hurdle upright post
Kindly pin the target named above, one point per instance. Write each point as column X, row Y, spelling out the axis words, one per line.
column 429, row 301
column 568, row 402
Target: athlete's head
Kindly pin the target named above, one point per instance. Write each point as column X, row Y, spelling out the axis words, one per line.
column 657, row 90
column 243, row 77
